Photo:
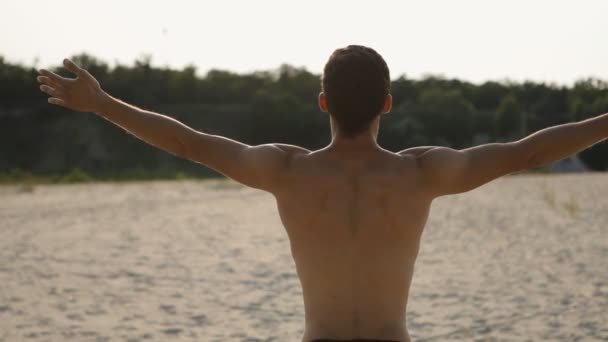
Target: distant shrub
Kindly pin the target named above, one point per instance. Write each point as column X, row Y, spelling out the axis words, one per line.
column 14, row 175
column 595, row 157
column 76, row 176
column 27, row 187
column 549, row 195
column 572, row 206
column 182, row 175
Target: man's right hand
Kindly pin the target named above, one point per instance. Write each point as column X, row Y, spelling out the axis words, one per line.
column 82, row 93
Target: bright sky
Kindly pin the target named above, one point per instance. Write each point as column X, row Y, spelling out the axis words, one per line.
column 476, row 40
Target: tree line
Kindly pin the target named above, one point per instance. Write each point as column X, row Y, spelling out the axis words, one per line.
column 267, row 106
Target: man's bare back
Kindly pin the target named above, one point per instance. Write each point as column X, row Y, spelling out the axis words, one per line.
column 354, row 227
column 354, row 212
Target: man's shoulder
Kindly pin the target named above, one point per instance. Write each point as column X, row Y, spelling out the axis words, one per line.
column 426, row 157
column 417, row 151
column 292, row 149
column 290, row 153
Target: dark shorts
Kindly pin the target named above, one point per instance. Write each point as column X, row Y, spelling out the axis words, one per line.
column 328, row 340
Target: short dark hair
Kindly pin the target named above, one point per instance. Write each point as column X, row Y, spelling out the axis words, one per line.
column 355, row 82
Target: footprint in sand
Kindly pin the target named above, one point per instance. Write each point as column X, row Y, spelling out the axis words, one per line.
column 170, row 309
column 199, row 319
column 173, row 331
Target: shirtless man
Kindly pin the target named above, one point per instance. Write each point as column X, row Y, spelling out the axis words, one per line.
column 354, row 212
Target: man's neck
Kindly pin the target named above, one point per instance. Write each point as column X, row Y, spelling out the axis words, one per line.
column 359, row 144
column 360, row 141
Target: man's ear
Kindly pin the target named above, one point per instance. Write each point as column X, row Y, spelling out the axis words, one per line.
column 388, row 104
column 323, row 103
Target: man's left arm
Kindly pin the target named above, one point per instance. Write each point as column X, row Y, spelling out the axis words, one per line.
column 446, row 171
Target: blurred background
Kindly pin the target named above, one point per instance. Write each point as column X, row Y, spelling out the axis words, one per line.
column 464, row 73
column 521, row 259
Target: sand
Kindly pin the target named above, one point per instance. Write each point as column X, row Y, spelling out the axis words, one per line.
column 524, row 258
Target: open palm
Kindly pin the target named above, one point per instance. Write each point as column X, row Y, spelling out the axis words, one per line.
column 82, row 93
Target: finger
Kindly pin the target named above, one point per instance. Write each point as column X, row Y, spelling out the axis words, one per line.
column 53, row 76
column 50, row 91
column 48, row 81
column 87, row 74
column 80, row 72
column 56, row 101
column 71, row 66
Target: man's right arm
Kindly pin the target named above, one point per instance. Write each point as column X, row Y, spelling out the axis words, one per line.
column 446, row 171
column 261, row 167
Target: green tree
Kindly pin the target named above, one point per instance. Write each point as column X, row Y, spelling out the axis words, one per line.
column 508, row 118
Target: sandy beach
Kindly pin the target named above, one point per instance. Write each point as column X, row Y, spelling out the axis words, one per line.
column 524, row 258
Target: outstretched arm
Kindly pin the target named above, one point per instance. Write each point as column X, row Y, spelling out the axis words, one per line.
column 256, row 166
column 447, row 171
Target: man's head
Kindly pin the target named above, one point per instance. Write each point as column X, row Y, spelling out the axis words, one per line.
column 355, row 88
